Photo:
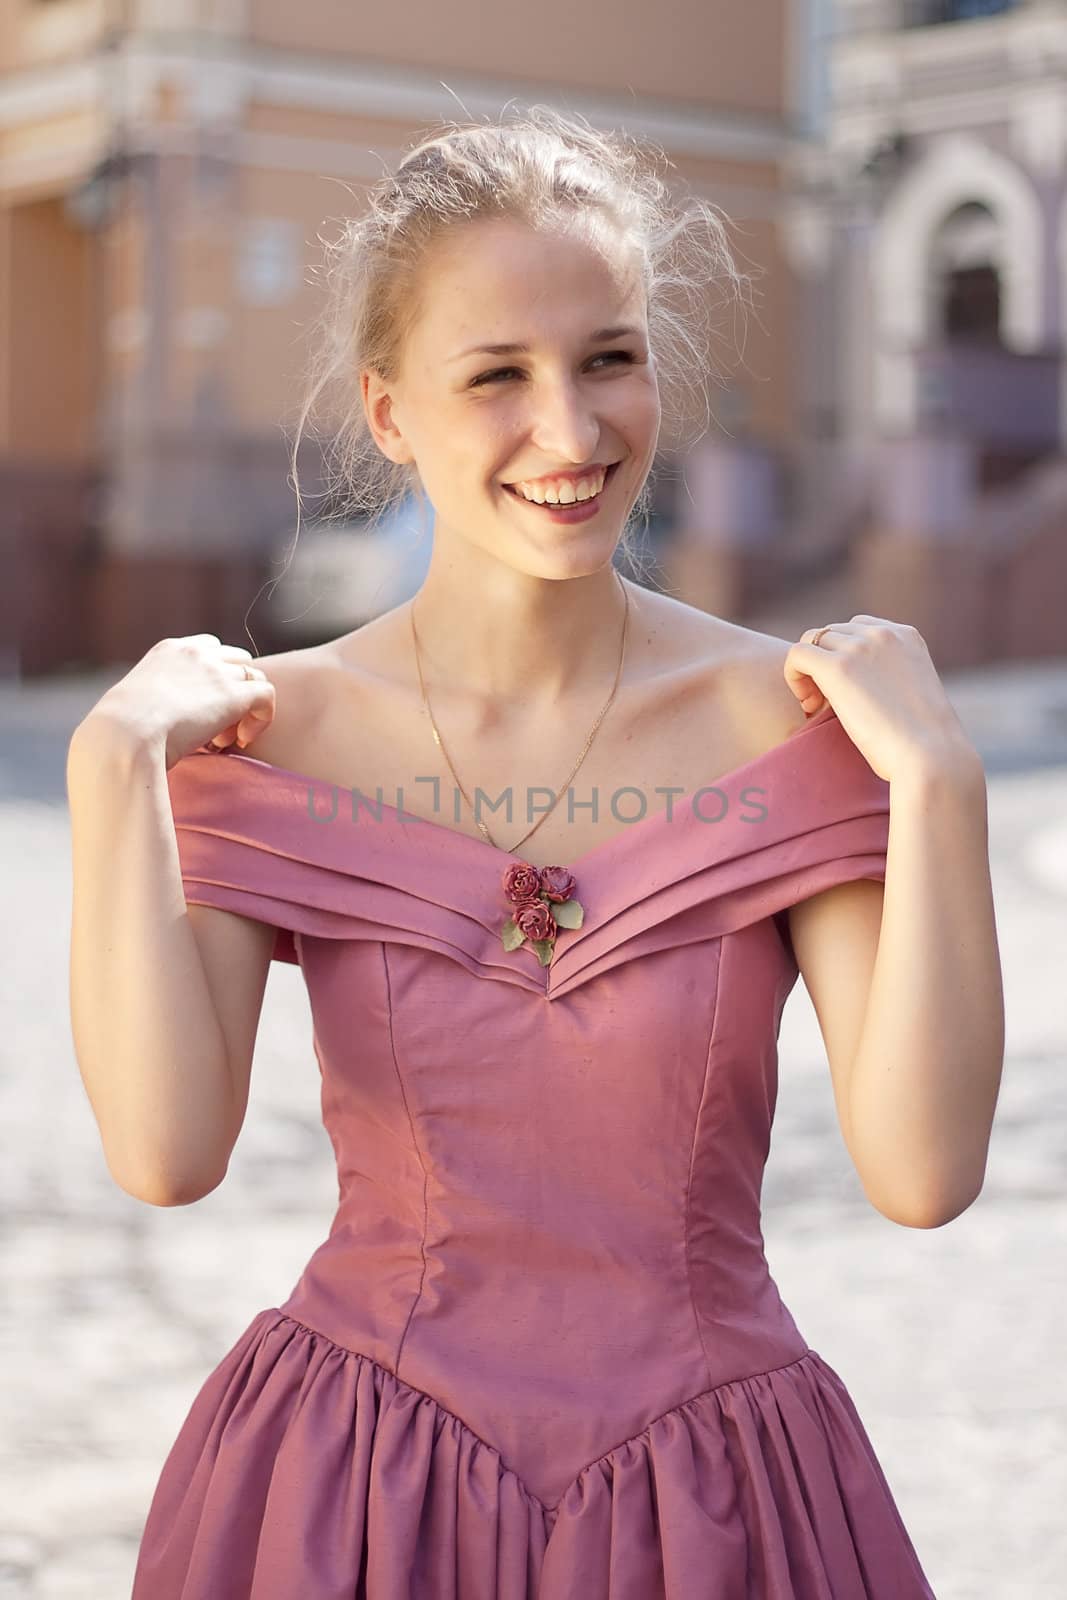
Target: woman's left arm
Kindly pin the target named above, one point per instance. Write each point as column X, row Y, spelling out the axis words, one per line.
column 922, row 1080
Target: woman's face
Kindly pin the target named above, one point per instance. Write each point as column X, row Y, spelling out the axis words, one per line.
column 473, row 422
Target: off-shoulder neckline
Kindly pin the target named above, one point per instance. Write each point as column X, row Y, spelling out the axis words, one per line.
column 602, row 851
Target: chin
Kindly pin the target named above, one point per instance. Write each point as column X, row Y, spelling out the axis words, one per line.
column 578, row 560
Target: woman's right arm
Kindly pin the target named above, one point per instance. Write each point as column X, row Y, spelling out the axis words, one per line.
column 165, row 998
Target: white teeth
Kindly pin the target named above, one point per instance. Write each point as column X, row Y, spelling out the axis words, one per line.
column 567, row 493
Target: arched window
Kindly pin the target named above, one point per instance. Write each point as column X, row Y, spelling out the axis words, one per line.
column 965, row 257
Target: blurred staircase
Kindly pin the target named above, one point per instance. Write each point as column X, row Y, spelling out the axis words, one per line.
column 996, row 590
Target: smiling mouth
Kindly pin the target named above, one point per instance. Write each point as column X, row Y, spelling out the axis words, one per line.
column 563, row 504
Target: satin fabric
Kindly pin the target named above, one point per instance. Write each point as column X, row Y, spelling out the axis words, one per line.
column 540, row 1355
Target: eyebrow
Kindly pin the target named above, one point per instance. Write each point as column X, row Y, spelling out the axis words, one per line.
column 600, row 337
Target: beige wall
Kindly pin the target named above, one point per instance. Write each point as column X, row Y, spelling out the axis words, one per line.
column 50, row 379
column 35, row 31
column 270, row 338
column 680, row 50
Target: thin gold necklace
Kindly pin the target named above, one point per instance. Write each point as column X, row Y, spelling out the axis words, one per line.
column 585, row 749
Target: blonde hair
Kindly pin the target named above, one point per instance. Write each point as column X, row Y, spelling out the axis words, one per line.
column 540, row 167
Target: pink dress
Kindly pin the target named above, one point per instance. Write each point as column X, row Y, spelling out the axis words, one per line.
column 540, row 1355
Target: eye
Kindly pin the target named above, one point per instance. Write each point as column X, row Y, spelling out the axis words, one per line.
column 498, row 372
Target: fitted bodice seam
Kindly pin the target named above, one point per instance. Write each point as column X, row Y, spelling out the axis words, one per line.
column 693, row 1148
column 415, row 1145
column 550, row 1509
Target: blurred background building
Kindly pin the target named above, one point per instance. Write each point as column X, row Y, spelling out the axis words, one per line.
column 891, row 442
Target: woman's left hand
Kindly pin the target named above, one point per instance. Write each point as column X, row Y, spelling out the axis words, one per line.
column 883, row 687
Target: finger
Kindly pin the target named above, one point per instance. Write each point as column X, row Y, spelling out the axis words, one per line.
column 250, row 728
column 800, row 680
column 258, row 715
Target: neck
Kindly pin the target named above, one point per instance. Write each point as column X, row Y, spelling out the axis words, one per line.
column 501, row 636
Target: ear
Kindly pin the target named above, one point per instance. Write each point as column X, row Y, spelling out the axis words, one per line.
column 378, row 407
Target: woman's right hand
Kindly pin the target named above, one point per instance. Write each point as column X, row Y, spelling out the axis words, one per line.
column 188, row 692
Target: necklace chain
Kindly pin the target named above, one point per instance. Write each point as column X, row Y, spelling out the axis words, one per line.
column 585, row 748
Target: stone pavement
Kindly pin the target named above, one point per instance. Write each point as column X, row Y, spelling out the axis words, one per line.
column 950, row 1340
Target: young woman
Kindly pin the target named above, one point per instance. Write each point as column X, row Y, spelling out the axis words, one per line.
column 540, row 1353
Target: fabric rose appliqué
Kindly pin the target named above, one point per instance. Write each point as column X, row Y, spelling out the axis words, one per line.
column 542, row 901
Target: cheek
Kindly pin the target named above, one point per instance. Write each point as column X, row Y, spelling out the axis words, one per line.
column 638, row 410
column 648, row 399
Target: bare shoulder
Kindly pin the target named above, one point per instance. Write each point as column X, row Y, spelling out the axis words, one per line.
column 711, row 660
column 353, row 677
column 297, row 677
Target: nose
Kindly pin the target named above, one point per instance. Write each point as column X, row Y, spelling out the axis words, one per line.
column 564, row 427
